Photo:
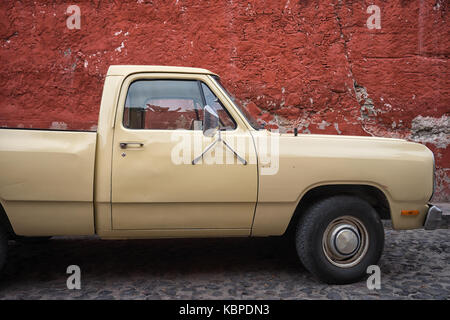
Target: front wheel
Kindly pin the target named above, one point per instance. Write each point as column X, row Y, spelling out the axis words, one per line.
column 338, row 238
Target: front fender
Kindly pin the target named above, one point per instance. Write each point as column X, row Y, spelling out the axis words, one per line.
column 402, row 170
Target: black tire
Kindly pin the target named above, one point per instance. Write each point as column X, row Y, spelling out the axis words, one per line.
column 3, row 247
column 314, row 227
column 32, row 240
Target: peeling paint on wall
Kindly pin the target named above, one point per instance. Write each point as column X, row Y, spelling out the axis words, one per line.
column 431, row 130
column 367, row 107
column 59, row 125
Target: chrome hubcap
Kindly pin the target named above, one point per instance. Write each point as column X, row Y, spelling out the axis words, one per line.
column 345, row 241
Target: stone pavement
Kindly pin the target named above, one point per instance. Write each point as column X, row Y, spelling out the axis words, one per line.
column 415, row 265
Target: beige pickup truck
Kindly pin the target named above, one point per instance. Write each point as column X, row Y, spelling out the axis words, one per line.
column 175, row 156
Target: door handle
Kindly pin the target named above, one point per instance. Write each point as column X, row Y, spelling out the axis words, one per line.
column 124, row 145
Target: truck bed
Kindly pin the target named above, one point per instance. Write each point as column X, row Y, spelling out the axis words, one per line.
column 47, row 181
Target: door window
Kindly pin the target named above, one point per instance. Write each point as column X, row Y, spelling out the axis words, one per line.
column 171, row 105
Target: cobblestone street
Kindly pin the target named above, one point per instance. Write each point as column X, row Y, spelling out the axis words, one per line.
column 415, row 265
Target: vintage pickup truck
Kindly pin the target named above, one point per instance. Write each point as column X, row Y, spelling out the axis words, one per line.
column 175, row 156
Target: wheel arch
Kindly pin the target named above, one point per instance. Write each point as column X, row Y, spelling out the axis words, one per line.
column 374, row 195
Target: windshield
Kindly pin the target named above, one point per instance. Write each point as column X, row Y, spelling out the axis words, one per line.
column 250, row 119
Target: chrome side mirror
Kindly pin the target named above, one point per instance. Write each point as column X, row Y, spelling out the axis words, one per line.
column 210, row 122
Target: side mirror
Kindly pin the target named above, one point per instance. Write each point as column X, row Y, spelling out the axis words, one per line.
column 210, row 122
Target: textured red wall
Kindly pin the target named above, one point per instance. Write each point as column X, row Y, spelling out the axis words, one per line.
column 310, row 64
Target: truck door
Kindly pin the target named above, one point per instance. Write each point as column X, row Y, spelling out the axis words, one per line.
column 157, row 134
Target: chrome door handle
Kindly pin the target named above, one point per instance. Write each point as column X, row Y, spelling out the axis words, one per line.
column 124, row 145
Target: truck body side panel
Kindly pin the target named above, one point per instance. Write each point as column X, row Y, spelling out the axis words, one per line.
column 402, row 170
column 47, row 181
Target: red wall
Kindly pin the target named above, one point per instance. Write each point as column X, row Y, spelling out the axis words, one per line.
column 312, row 64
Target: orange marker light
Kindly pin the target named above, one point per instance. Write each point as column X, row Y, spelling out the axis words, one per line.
column 410, row 212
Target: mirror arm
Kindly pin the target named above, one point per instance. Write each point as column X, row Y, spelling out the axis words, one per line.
column 205, row 151
column 219, row 139
column 244, row 162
